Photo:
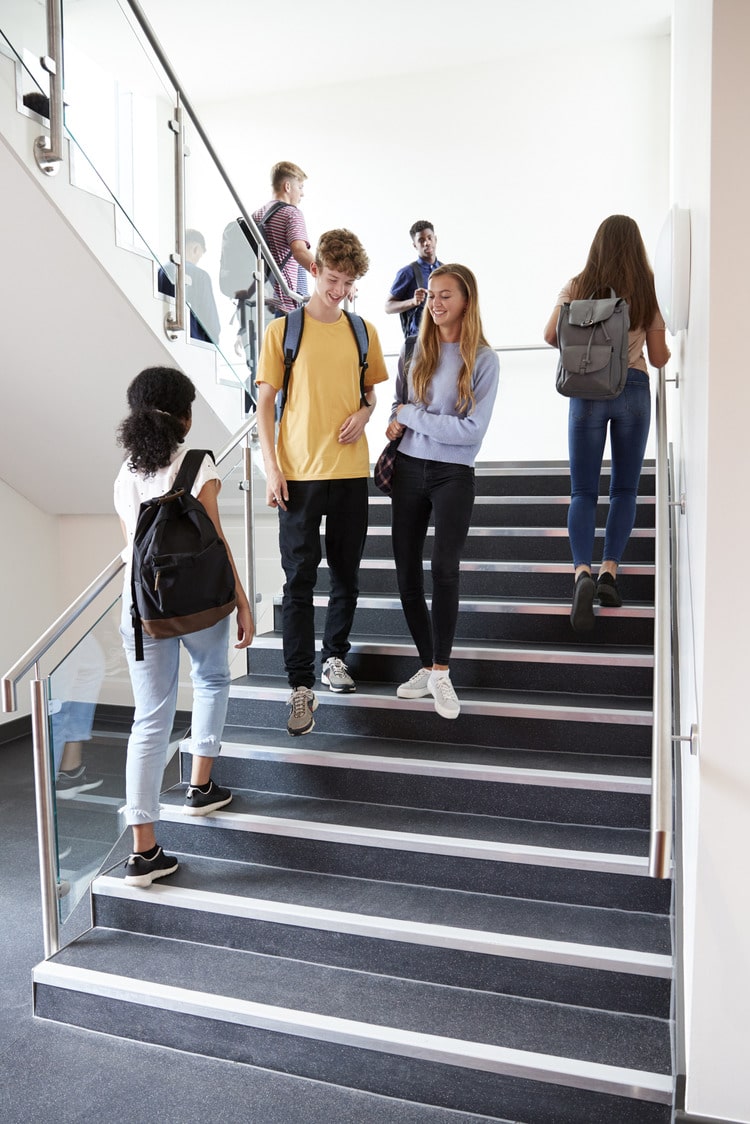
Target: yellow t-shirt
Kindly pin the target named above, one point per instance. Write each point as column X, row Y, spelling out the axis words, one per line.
column 323, row 392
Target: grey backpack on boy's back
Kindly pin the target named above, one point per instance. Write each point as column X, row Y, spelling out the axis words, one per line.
column 592, row 336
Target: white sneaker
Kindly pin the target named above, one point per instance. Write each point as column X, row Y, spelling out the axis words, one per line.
column 416, row 687
column 446, row 699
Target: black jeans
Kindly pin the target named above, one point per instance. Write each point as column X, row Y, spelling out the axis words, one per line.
column 344, row 504
column 422, row 488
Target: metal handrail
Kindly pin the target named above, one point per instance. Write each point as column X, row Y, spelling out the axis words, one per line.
column 52, row 634
column 158, row 50
column 660, row 838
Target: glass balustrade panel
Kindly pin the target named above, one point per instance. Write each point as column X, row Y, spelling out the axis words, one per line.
column 120, row 115
column 23, row 40
column 90, row 714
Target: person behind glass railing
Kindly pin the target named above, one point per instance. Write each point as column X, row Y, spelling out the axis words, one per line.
column 618, row 260
column 452, row 385
column 199, row 293
column 153, row 435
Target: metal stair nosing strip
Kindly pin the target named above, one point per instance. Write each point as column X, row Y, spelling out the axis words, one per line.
column 492, row 709
column 497, row 653
column 382, row 529
column 505, row 1061
column 452, row 770
column 511, row 605
column 415, row 842
column 516, row 946
column 521, row 499
column 488, row 566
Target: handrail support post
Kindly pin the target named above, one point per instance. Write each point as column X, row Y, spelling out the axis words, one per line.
column 48, row 150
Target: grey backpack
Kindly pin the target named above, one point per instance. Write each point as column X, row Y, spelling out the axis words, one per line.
column 592, row 336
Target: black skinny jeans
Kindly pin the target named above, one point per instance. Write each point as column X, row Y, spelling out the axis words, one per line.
column 344, row 504
column 422, row 488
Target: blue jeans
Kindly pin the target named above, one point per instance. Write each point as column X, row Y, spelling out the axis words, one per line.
column 422, row 488
column 155, row 681
column 344, row 504
column 628, row 417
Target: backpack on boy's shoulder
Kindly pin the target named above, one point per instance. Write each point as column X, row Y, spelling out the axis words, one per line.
column 408, row 326
column 182, row 579
column 239, row 257
column 294, row 323
column 592, row 337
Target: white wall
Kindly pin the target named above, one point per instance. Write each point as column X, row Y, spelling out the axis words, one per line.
column 515, row 163
column 29, row 580
column 711, row 166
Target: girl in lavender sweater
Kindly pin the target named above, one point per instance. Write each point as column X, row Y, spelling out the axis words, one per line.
column 452, row 384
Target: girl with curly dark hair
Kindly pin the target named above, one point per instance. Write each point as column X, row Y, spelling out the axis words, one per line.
column 153, row 434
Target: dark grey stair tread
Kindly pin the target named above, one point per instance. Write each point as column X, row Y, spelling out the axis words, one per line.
column 632, row 704
column 451, row 825
column 552, row 921
column 621, row 1040
column 553, row 761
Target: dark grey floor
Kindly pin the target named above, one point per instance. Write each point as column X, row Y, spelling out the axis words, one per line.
column 65, row 1075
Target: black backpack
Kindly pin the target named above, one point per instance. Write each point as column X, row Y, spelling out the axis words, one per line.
column 182, row 578
column 239, row 256
column 294, row 323
column 592, row 336
column 409, row 327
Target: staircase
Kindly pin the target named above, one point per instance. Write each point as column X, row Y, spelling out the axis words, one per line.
column 456, row 914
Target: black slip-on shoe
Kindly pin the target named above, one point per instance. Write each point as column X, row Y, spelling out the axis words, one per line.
column 582, row 610
column 607, row 592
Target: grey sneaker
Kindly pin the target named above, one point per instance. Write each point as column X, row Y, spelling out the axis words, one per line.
column 336, row 676
column 416, row 687
column 446, row 699
column 302, row 703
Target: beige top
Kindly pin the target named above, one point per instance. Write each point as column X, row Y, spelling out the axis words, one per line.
column 636, row 339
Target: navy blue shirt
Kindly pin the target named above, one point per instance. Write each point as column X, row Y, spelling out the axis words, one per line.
column 404, row 288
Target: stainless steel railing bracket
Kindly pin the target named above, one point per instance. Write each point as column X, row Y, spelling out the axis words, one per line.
column 693, row 737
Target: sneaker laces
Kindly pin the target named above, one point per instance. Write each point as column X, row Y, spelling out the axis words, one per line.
column 336, row 664
column 298, row 701
column 444, row 686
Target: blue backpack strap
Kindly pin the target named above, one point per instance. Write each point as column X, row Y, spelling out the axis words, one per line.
column 359, row 328
column 294, row 323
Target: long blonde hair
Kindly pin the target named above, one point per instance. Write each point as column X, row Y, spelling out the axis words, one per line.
column 471, row 340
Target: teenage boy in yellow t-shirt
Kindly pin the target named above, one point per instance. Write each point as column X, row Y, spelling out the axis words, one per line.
column 320, row 466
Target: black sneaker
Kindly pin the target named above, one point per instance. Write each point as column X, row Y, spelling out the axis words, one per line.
column 199, row 803
column 140, row 871
column 607, row 591
column 70, row 784
column 582, row 610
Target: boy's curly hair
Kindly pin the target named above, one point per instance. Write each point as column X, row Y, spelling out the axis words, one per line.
column 341, row 250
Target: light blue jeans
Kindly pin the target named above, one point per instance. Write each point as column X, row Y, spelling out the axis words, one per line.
column 155, row 681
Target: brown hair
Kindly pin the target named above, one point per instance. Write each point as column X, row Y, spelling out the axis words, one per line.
column 618, row 259
column 284, row 171
column 471, row 340
column 342, row 250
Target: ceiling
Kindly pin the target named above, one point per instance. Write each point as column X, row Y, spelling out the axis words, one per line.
column 227, row 49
